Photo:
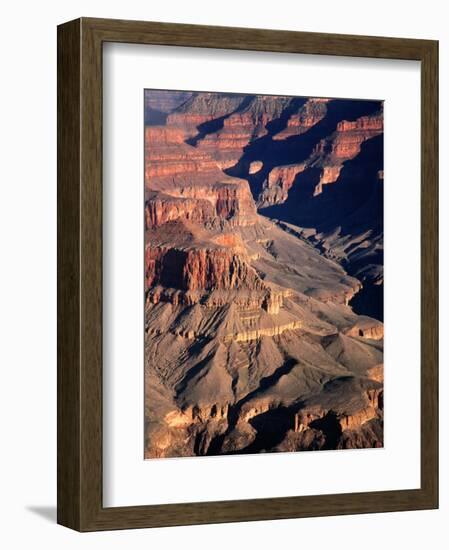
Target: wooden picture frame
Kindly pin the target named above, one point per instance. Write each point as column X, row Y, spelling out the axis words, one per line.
column 80, row 503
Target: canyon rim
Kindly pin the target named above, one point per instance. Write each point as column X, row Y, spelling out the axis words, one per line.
column 263, row 273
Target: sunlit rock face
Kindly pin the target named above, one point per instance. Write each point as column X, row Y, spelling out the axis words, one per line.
column 263, row 267
column 343, row 145
column 302, row 119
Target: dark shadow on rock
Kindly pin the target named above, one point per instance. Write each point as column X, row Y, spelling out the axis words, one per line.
column 354, row 201
column 234, row 411
column 352, row 206
column 295, row 149
column 277, row 125
column 369, row 301
column 271, row 428
column 331, row 428
column 195, row 349
column 215, row 125
column 153, row 117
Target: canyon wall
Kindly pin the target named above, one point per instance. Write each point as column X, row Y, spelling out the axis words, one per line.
column 251, row 341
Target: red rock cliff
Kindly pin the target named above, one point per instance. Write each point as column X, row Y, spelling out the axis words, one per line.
column 344, row 144
column 311, row 113
column 198, row 269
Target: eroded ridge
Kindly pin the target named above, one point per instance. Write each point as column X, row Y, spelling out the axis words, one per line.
column 252, row 343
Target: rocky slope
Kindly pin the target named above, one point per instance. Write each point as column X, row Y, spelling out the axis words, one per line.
column 251, row 340
column 310, row 178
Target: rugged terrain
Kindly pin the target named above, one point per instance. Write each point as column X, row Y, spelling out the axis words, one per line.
column 263, row 274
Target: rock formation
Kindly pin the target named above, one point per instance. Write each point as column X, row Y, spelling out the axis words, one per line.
column 252, row 266
column 312, row 112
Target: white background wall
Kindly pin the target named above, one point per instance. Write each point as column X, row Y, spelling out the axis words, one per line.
column 28, row 272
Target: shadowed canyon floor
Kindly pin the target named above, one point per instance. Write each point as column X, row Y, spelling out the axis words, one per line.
column 263, row 274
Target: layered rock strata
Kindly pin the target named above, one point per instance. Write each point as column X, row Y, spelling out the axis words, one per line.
column 251, row 342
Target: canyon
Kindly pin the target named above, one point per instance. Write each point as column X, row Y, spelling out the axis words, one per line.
column 263, row 274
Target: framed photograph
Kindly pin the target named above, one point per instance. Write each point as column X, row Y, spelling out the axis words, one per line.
column 247, row 274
